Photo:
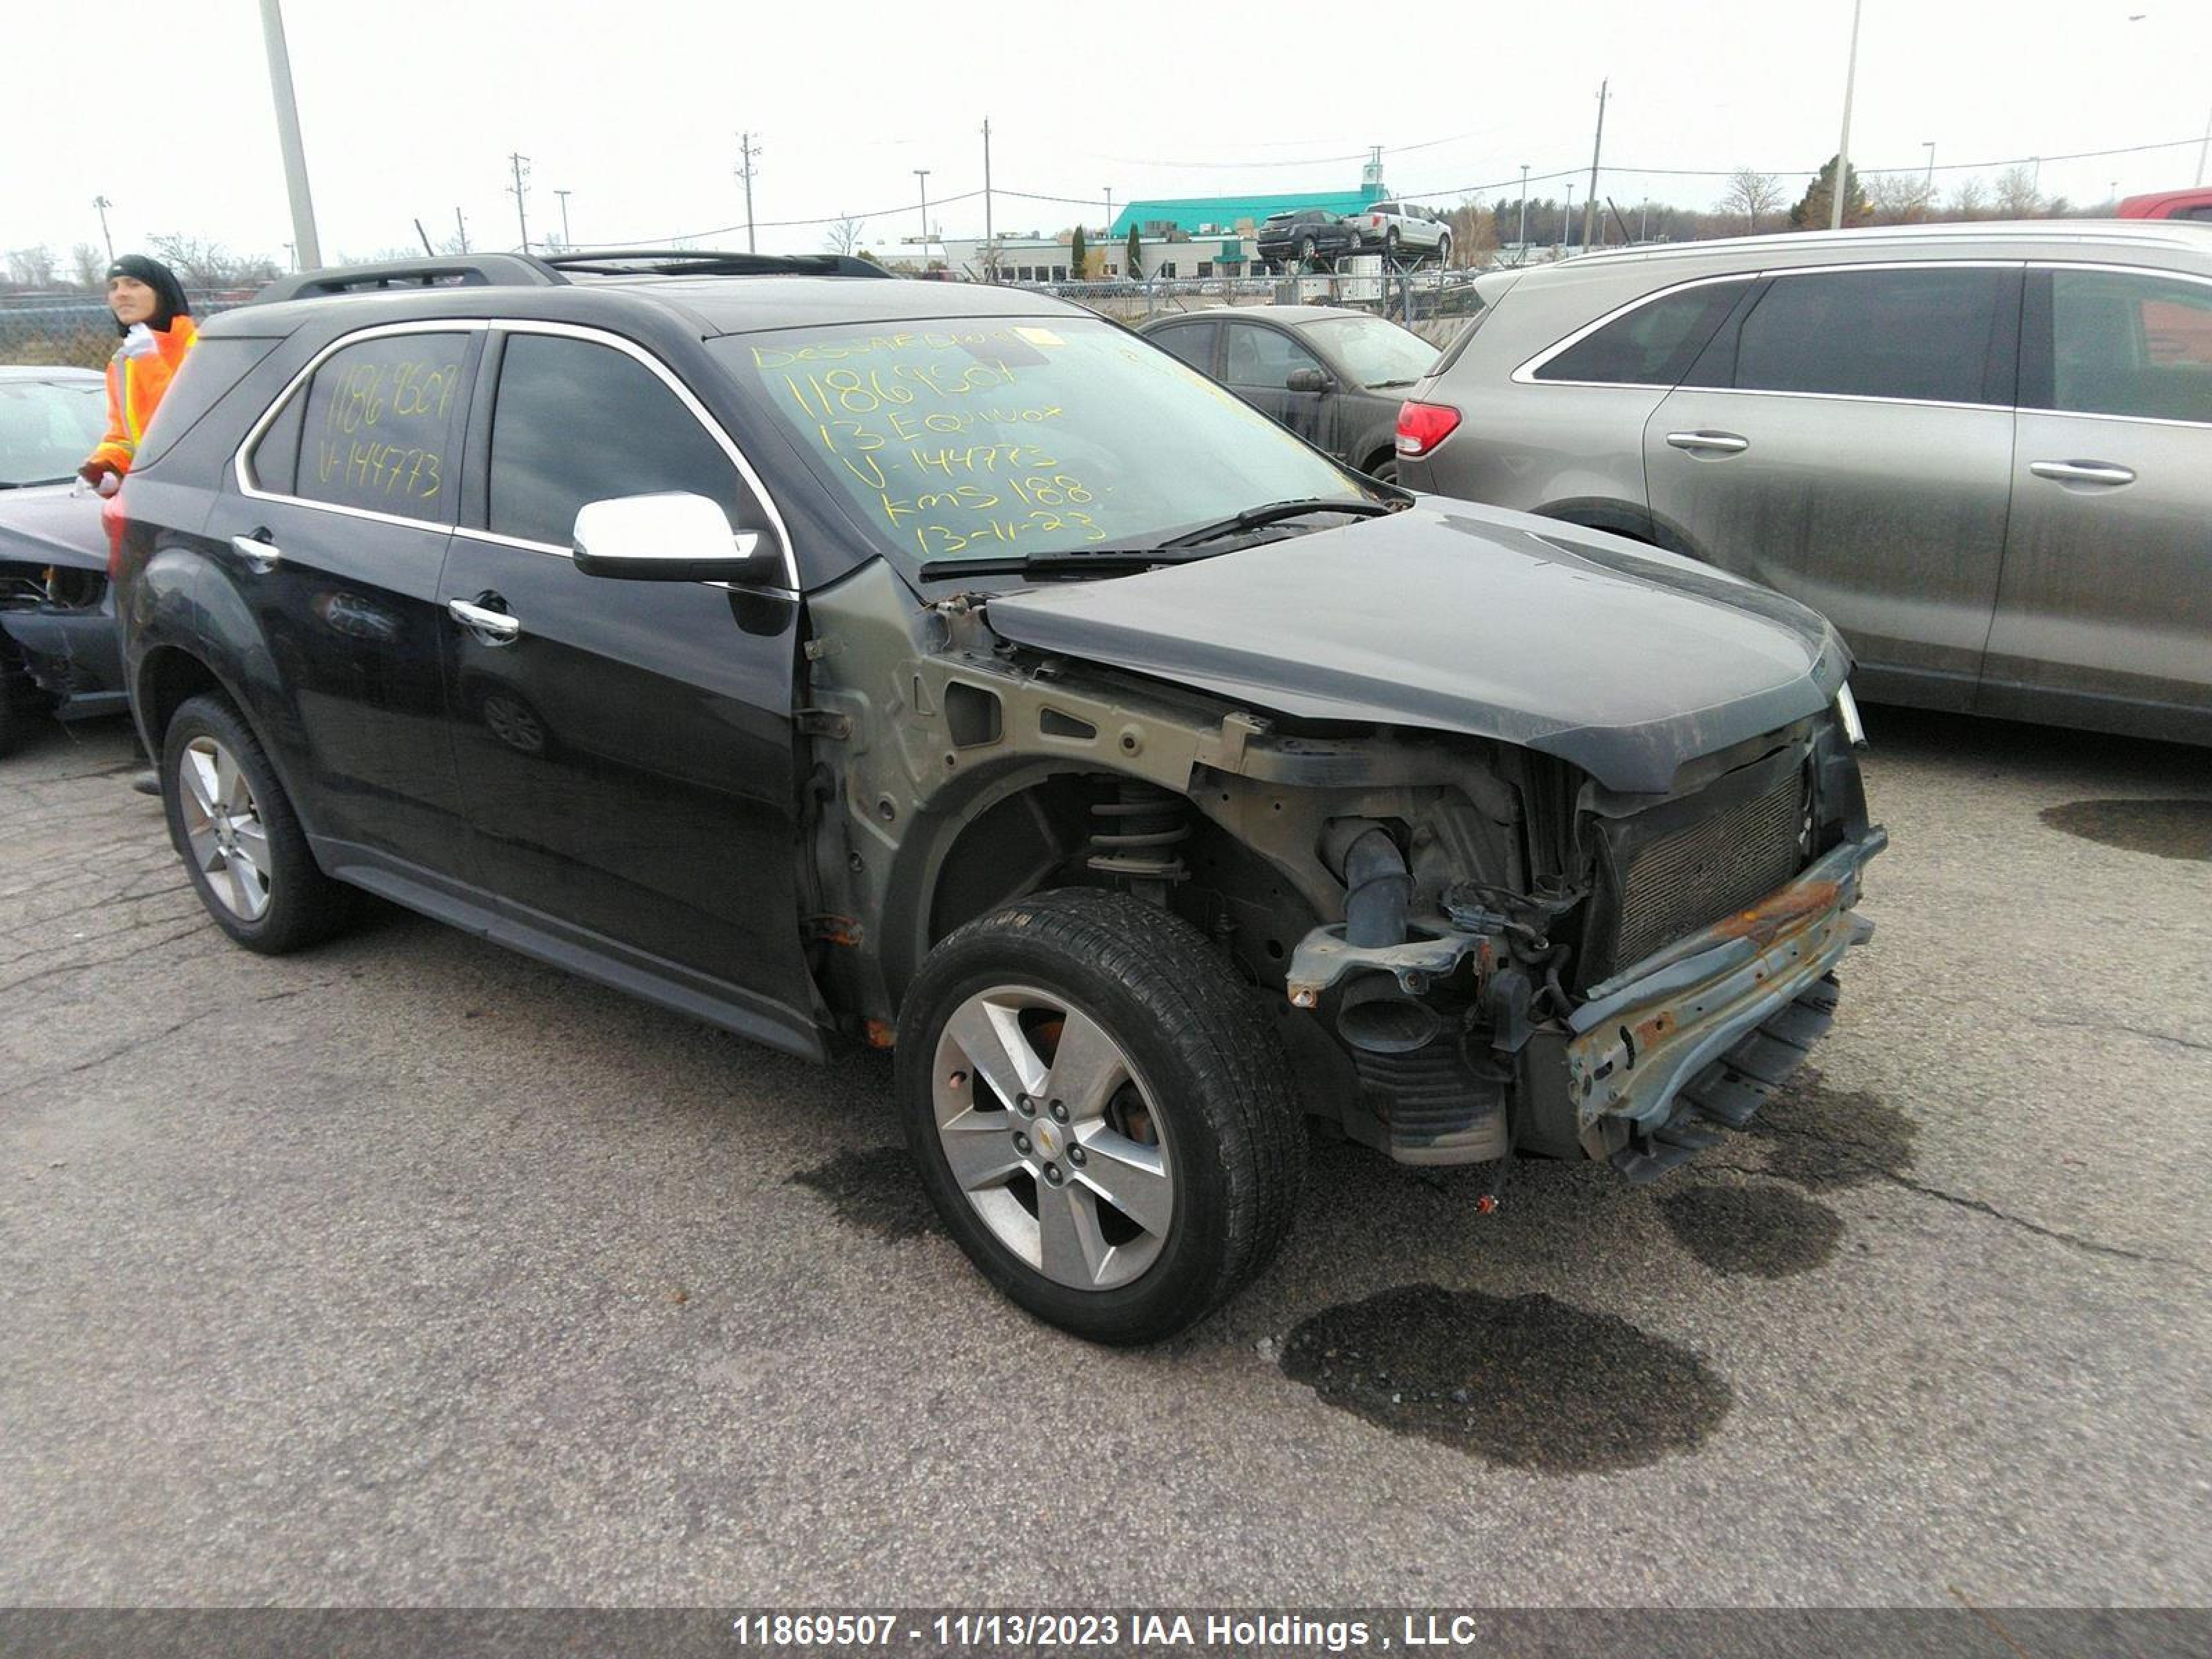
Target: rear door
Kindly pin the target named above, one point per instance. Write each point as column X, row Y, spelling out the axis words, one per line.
column 335, row 544
column 1257, row 362
column 2107, row 602
column 626, row 747
column 1847, row 438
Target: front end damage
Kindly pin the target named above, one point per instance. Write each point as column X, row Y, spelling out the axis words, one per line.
column 1472, row 948
column 60, row 647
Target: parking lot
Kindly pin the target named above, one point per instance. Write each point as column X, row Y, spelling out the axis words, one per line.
column 407, row 1270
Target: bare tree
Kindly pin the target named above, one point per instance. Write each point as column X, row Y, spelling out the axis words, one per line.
column 844, row 233
column 1901, row 199
column 2017, row 197
column 87, row 266
column 202, row 263
column 1969, row 200
column 1751, row 192
column 31, row 267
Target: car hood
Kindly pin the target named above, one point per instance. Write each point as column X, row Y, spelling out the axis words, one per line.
column 45, row 524
column 1616, row 657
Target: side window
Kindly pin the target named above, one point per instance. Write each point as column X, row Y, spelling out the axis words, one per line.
column 377, row 427
column 1920, row 334
column 1384, row 207
column 1261, row 359
column 2128, row 345
column 1192, row 342
column 275, row 462
column 1654, row 344
column 576, row 422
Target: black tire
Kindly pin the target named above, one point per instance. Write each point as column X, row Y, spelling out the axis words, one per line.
column 15, row 720
column 1214, row 1072
column 1306, row 252
column 303, row 905
column 1386, row 469
column 1444, row 254
column 1390, row 244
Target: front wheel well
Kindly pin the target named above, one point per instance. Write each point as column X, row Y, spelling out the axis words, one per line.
column 169, row 679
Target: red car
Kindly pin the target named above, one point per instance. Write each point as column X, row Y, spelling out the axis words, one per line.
column 2168, row 205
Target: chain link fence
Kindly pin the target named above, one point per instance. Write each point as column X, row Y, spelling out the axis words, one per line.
column 78, row 329
column 1434, row 303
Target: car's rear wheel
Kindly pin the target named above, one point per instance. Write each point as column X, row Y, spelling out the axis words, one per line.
column 1307, row 250
column 1099, row 1112
column 1385, row 471
column 242, row 843
column 1443, row 251
column 1390, row 244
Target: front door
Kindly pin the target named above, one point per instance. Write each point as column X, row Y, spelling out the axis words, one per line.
column 337, row 546
column 626, row 747
column 1848, row 441
column 1257, row 363
column 2106, row 603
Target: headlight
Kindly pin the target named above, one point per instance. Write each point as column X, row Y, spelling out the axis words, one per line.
column 1847, row 711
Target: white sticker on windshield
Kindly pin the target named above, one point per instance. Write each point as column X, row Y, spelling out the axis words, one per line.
column 1041, row 337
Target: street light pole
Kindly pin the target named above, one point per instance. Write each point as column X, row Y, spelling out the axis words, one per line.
column 1589, row 207
column 565, row 240
column 922, row 173
column 2203, row 144
column 1522, row 257
column 1842, row 187
column 288, row 134
column 1567, row 218
column 102, row 204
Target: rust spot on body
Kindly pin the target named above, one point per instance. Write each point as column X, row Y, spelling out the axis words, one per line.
column 1777, row 913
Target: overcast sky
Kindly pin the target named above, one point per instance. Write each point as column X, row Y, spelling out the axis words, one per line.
column 410, row 108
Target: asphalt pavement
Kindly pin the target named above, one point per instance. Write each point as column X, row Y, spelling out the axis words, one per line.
column 407, row 1270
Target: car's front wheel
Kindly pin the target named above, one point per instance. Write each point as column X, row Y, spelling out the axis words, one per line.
column 1099, row 1112
column 242, row 843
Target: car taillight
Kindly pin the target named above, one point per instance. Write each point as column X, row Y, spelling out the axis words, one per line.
column 1422, row 427
column 116, row 522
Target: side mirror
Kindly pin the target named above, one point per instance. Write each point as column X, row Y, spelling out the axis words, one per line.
column 1308, row 379
column 673, row 537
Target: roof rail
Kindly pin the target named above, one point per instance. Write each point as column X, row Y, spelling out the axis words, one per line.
column 707, row 262
column 551, row 270
column 460, row 270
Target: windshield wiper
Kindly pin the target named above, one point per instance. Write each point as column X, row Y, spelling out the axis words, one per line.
column 1047, row 567
column 1256, row 518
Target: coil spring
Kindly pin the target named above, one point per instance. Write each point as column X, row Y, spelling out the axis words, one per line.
column 1137, row 831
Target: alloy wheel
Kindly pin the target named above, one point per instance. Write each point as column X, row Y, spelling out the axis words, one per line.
column 223, row 827
column 1053, row 1137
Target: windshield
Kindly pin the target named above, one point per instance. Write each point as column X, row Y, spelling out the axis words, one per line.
column 990, row 438
column 1377, row 353
column 47, row 427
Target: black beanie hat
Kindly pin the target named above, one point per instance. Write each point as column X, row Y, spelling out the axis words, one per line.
column 169, row 302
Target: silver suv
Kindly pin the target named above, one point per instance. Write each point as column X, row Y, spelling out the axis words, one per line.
column 1984, row 450
column 1402, row 231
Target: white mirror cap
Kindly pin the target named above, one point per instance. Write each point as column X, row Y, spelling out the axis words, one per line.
column 675, row 526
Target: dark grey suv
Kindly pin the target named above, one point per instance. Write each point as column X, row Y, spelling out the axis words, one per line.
column 1983, row 451
column 842, row 659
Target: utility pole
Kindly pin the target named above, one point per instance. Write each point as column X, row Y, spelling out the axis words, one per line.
column 2203, row 144
column 102, row 203
column 564, row 195
column 1928, row 184
column 1590, row 208
column 922, row 173
column 1522, row 257
column 746, row 150
column 460, row 228
column 288, row 134
column 988, row 239
column 521, row 164
column 1109, row 213
column 1843, row 185
column 1567, row 217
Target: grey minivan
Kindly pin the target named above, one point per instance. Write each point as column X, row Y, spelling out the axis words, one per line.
column 1985, row 451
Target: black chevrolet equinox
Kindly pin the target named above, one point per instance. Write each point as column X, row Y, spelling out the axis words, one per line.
column 840, row 658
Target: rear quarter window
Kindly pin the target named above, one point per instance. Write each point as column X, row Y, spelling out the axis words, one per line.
column 209, row 370
column 1653, row 344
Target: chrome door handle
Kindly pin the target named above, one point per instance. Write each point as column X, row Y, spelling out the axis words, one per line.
column 2096, row 472
column 258, row 552
column 492, row 627
column 1721, row 443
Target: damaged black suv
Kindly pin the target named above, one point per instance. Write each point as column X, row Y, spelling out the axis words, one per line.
column 834, row 657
